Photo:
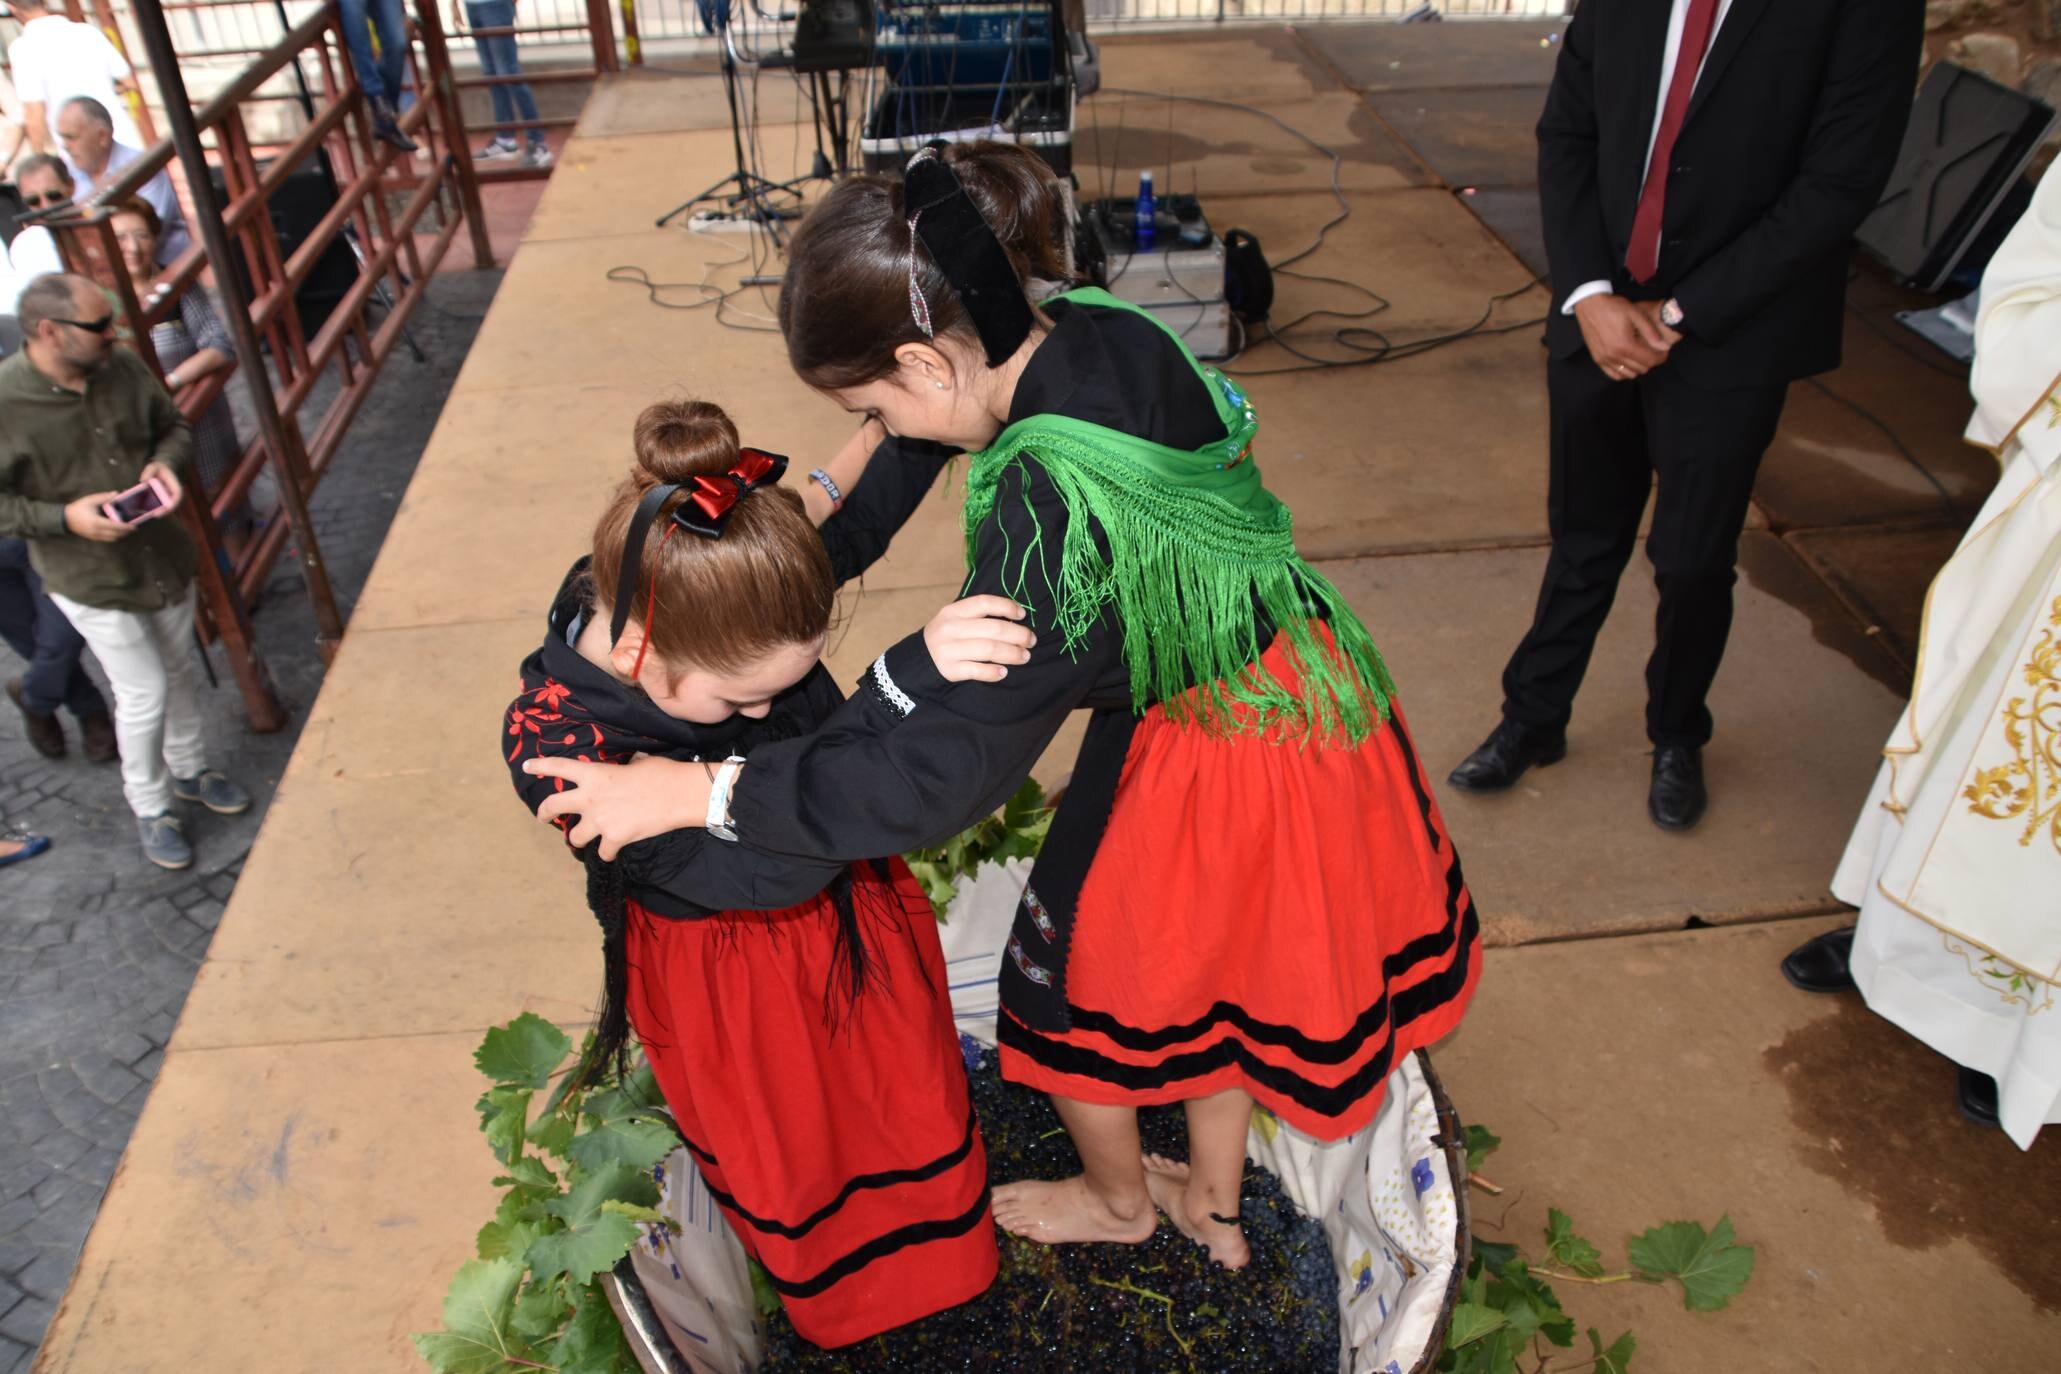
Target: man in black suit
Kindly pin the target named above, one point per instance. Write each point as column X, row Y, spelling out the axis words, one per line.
column 1685, row 303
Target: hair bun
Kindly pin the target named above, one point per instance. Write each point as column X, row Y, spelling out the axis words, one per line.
column 679, row 440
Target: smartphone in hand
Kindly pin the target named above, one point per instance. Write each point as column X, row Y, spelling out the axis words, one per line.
column 147, row 500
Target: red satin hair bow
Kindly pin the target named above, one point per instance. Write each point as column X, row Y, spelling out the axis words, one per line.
column 711, row 499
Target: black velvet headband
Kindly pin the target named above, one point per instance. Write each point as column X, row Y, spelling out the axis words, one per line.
column 963, row 245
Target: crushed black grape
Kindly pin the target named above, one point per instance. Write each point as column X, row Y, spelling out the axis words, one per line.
column 1141, row 1309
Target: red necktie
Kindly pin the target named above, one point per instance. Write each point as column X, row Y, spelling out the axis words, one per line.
column 1642, row 258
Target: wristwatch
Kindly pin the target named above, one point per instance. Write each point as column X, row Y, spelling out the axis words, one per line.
column 1671, row 313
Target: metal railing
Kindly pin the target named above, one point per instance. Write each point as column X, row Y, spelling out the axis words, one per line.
column 259, row 278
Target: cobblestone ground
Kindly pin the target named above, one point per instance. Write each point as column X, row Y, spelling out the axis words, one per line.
column 98, row 948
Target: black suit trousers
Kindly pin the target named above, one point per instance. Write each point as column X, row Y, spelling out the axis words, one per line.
column 1610, row 441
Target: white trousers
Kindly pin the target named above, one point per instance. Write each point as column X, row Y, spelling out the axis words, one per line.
column 148, row 658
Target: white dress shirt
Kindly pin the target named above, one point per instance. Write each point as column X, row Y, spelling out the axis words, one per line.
column 55, row 59
column 1668, row 54
column 174, row 238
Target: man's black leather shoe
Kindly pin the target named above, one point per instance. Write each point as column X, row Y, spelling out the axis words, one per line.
column 1676, row 799
column 1821, row 964
column 1977, row 1093
column 1505, row 754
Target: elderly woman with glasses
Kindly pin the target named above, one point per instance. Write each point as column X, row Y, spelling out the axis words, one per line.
column 191, row 345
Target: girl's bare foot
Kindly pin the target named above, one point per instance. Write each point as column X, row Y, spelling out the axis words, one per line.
column 1167, row 1181
column 1068, row 1211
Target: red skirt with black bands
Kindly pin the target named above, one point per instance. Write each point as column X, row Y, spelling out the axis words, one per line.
column 1286, row 919
column 838, row 1138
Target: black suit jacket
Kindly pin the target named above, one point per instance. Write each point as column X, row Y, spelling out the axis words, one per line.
column 1789, row 140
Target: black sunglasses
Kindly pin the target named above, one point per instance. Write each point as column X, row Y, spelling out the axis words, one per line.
column 99, row 326
column 48, row 198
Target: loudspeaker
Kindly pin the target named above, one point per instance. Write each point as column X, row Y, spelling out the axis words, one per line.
column 296, row 207
column 1967, row 145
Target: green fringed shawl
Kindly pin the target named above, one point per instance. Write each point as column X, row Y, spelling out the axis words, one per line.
column 1201, row 555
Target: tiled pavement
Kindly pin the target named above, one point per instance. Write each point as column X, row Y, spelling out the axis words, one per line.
column 97, row 948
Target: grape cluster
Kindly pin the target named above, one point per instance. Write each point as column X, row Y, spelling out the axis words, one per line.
column 1049, row 1312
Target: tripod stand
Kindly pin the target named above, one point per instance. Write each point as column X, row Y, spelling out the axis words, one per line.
column 749, row 195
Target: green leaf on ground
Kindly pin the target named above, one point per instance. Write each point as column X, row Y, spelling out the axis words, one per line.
column 1515, row 1287
column 593, row 1342
column 1572, row 1252
column 1618, row 1358
column 637, row 1142
column 594, row 1239
column 1481, row 1143
column 1710, row 1267
column 523, row 1052
column 476, row 1338
column 1493, row 1254
column 1473, row 1322
column 503, row 1115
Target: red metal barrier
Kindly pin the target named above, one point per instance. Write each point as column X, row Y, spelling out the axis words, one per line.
column 397, row 250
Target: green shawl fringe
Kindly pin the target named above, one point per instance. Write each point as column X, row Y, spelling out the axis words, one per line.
column 1202, row 557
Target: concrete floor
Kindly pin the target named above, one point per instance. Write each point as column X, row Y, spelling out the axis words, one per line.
column 311, row 1149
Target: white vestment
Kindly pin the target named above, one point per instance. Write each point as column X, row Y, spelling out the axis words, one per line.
column 1956, row 862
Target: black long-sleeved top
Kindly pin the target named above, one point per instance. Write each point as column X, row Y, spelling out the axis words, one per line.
column 573, row 708
column 911, row 759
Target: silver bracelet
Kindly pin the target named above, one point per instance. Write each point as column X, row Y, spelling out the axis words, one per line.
column 822, row 479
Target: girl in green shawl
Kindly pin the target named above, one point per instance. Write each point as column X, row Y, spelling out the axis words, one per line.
column 1247, row 894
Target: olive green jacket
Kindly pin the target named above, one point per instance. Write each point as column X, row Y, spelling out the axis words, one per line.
column 57, row 445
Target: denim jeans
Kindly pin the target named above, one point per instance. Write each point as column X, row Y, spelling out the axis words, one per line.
column 33, row 627
column 381, row 76
column 497, row 57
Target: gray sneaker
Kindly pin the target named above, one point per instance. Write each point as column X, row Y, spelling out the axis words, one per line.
column 164, row 841
column 538, row 155
column 213, row 791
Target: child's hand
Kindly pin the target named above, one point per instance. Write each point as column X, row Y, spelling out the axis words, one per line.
column 975, row 639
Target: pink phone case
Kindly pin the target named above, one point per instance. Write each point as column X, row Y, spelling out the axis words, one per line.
column 164, row 502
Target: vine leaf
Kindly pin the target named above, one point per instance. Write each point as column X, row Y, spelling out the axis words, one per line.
column 593, row 1239
column 635, row 1141
column 554, row 1132
column 476, row 1338
column 1572, row 1252
column 635, row 1212
column 1481, row 1143
column 507, row 1239
column 593, row 1342
column 1515, row 1291
column 503, row 1115
column 1493, row 1254
column 523, row 1052
column 1710, row 1267
column 1473, row 1322
column 539, row 1311
column 1618, row 1358
column 763, row 1294
column 530, row 1172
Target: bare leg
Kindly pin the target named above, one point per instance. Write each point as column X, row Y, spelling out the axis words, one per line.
column 1106, row 1201
column 1196, row 1196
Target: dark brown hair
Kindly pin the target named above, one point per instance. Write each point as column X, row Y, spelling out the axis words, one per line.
column 844, row 299
column 717, row 604
column 141, row 209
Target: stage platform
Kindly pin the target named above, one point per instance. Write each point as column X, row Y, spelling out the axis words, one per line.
column 309, row 1172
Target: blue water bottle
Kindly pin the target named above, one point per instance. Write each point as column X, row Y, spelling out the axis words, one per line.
column 1147, row 214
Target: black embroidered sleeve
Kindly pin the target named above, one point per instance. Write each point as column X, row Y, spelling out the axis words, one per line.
column 897, row 478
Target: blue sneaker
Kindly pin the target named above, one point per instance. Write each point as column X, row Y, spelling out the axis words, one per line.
column 164, row 841
column 214, row 791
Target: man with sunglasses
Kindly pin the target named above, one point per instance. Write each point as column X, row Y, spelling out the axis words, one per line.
column 44, row 183
column 81, row 422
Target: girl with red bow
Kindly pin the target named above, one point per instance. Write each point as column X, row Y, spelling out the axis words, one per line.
column 796, row 1014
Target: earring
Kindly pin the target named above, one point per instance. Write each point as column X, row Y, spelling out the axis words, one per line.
column 940, row 386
